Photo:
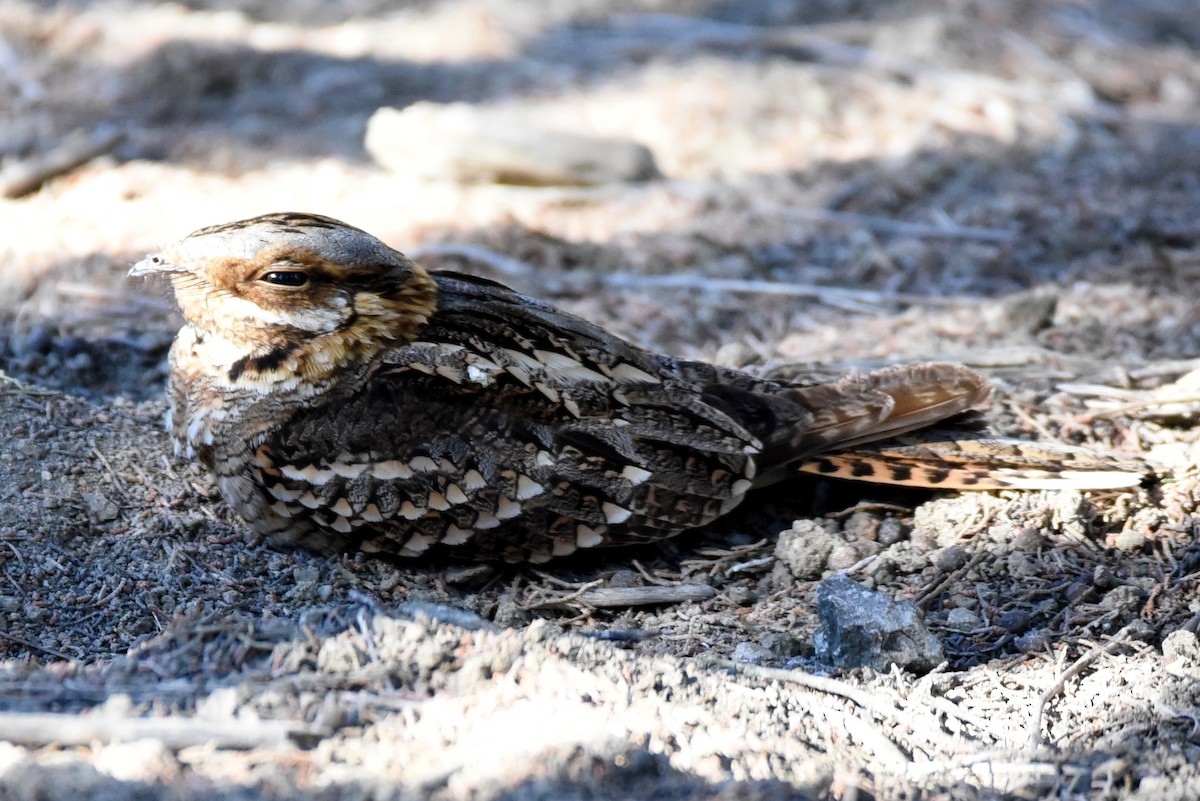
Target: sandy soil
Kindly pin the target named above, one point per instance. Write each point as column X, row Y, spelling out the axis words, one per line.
column 1012, row 185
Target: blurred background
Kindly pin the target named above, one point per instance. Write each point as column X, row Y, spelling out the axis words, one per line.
column 798, row 187
column 803, row 181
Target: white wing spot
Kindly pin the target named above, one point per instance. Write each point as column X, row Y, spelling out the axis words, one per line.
column 342, row 507
column 587, row 537
column 390, row 469
column 282, row 493
column 555, row 360
column 635, row 475
column 420, row 367
column 547, row 390
column 544, row 459
column 571, row 406
column 614, row 513
column 347, row 469
column 438, row 501
column 519, row 373
column 422, row 464
column 473, row 480
column 486, row 520
column 309, row 475
column 283, row 509
column 309, row 500
column 455, row 495
column 740, row 486
column 341, row 524
column 528, row 488
column 371, row 514
column 456, row 535
column 507, row 508
column 628, row 374
column 417, row 544
column 562, row 547
column 410, row 512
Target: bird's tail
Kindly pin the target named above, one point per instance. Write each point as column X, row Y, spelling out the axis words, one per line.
column 868, row 407
column 880, row 427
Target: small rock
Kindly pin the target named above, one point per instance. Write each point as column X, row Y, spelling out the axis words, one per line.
column 804, row 549
column 1033, row 642
column 862, row 526
column 509, row 613
column 864, row 628
column 740, row 595
column 1125, row 599
column 1081, row 590
column 751, row 653
column 471, row 144
column 138, row 761
column 624, row 578
column 961, row 618
column 1181, row 655
column 1015, row 620
column 950, row 558
column 891, row 531
column 1130, row 540
column 1029, row 540
column 843, row 556
column 101, row 506
column 1103, row 578
column 784, row 644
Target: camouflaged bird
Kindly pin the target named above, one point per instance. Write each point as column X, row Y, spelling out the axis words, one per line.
column 344, row 397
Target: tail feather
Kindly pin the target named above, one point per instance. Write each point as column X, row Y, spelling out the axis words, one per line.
column 982, row 464
column 887, row 403
column 856, row 429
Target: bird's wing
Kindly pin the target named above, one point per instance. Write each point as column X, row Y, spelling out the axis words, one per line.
column 514, row 430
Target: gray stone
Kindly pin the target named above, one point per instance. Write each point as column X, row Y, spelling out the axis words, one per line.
column 864, row 628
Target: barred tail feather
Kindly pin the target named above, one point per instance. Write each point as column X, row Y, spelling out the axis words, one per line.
column 883, row 404
column 982, row 464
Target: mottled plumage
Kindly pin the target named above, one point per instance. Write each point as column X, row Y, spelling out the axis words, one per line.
column 344, row 397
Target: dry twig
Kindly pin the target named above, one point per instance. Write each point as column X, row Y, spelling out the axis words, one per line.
column 173, row 732
column 75, row 150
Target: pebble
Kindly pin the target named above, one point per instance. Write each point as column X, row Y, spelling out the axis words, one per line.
column 803, row 550
column 950, row 558
column 963, row 618
column 891, row 531
column 1015, row 620
column 751, row 653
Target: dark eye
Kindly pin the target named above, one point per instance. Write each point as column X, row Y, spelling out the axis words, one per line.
column 285, row 278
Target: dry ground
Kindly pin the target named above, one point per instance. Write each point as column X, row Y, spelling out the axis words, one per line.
column 1014, row 185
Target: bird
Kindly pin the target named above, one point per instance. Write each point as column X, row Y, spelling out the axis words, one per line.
column 345, row 398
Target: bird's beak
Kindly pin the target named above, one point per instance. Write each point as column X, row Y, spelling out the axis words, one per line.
column 154, row 263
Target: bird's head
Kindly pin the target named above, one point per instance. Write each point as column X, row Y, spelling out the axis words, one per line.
column 283, row 281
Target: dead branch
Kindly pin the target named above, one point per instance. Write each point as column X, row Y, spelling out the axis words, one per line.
column 1035, row 726
column 77, row 149
column 174, row 732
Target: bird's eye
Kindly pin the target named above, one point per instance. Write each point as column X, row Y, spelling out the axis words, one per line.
column 285, row 278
